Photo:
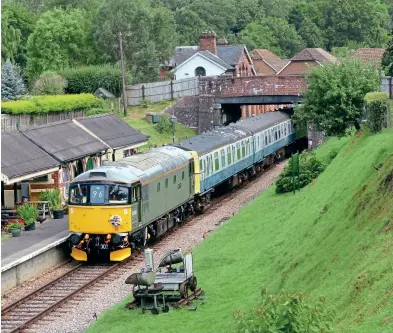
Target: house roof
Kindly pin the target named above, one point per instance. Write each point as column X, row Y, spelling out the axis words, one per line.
column 113, row 131
column 20, row 156
column 65, row 140
column 230, row 54
column 314, row 54
column 369, row 54
column 215, row 59
column 269, row 57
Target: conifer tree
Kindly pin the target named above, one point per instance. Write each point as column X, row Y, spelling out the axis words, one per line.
column 12, row 86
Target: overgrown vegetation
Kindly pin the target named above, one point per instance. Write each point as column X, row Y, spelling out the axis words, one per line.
column 376, row 110
column 49, row 83
column 333, row 238
column 284, row 312
column 164, row 125
column 309, row 168
column 87, row 79
column 51, row 103
column 335, row 94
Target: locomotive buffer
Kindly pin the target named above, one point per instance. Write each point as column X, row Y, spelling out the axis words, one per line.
column 153, row 289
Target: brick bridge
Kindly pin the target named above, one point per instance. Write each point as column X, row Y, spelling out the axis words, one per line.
column 224, row 99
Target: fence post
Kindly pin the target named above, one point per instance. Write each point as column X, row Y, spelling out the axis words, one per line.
column 390, row 88
column 143, row 91
column 171, row 90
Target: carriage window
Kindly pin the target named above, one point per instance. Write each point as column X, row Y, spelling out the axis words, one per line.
column 229, row 157
column 97, row 194
column 204, row 165
column 265, row 139
column 174, row 179
column 182, row 175
column 223, row 158
column 78, row 194
column 118, row 194
column 216, row 162
column 233, row 154
column 166, row 183
column 158, row 187
column 200, row 165
column 238, row 151
column 243, row 149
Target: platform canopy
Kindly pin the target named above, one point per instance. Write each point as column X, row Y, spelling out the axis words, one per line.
column 112, row 130
column 21, row 159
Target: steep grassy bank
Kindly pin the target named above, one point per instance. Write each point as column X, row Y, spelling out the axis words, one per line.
column 334, row 238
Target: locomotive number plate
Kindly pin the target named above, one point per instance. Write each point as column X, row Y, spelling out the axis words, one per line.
column 104, row 246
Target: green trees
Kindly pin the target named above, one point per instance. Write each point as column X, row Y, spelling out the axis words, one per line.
column 334, row 98
column 12, row 87
column 148, row 35
column 387, row 60
column 59, row 40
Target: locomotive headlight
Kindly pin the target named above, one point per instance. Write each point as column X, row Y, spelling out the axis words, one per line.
column 75, row 238
column 116, row 239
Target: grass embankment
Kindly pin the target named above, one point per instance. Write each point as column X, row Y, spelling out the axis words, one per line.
column 136, row 117
column 334, row 238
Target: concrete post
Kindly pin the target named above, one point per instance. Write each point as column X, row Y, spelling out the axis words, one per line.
column 243, row 110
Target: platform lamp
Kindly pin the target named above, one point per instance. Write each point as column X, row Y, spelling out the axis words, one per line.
column 173, row 120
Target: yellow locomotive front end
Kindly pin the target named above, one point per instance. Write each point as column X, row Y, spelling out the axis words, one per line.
column 100, row 220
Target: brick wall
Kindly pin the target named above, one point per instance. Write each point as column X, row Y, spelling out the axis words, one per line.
column 243, row 68
column 186, row 110
column 254, row 85
column 205, row 114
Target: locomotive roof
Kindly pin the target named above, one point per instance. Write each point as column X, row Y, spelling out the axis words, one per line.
column 143, row 166
column 261, row 122
column 208, row 141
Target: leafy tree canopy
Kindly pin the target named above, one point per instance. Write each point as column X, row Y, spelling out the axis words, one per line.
column 334, row 98
column 387, row 60
column 59, row 40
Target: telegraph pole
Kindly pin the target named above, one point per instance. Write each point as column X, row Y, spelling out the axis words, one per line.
column 123, row 74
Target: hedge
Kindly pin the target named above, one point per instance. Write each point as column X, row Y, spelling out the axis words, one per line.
column 51, row 103
column 376, row 110
column 88, row 79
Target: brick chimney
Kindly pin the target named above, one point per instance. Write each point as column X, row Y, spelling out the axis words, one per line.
column 207, row 42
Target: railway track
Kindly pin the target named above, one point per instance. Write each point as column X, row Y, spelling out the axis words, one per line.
column 37, row 306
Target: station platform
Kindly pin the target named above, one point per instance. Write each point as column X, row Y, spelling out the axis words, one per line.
column 16, row 250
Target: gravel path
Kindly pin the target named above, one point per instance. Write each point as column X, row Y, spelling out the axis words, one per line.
column 186, row 237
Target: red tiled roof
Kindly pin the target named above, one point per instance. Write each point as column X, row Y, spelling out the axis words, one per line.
column 369, row 54
column 314, row 54
column 269, row 57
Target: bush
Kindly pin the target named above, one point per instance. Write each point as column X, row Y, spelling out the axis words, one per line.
column 309, row 168
column 88, row 79
column 164, row 125
column 54, row 197
column 376, row 111
column 95, row 111
column 50, row 83
column 286, row 313
column 28, row 213
column 51, row 103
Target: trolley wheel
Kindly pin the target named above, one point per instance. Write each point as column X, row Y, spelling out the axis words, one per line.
column 182, row 290
column 193, row 283
column 154, row 311
column 165, row 308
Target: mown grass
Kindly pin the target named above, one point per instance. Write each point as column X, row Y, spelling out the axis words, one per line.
column 136, row 117
column 334, row 238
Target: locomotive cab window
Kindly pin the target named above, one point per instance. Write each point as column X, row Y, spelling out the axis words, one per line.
column 117, row 194
column 78, row 194
column 136, row 193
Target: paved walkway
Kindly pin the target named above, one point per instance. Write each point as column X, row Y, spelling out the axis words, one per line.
column 45, row 234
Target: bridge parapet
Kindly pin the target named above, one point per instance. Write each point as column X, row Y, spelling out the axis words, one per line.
column 224, row 86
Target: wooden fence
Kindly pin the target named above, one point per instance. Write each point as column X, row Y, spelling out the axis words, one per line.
column 159, row 91
column 24, row 121
column 387, row 85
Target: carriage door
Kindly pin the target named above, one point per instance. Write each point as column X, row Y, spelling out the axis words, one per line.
column 136, row 205
column 192, row 176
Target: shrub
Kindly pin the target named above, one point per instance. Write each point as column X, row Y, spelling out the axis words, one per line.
column 50, row 83
column 88, row 79
column 286, row 313
column 12, row 87
column 376, row 111
column 51, row 103
column 28, row 213
column 95, row 111
column 309, row 168
column 164, row 125
column 14, row 225
column 54, row 197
